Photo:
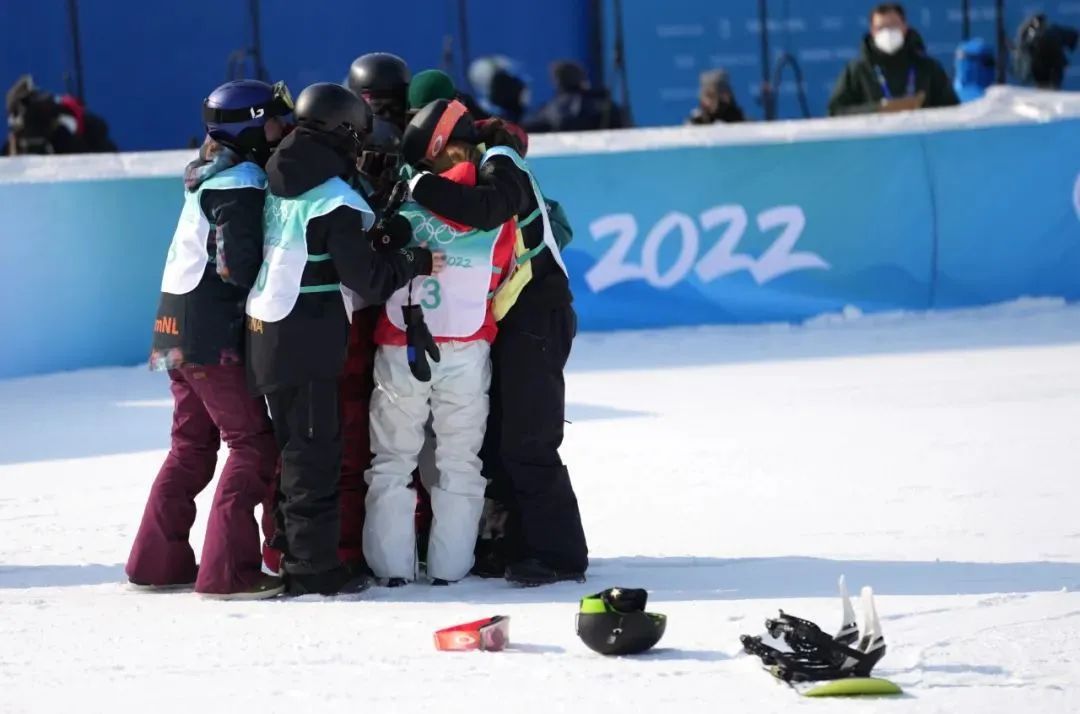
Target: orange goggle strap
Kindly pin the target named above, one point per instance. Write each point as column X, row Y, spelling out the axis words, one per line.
column 444, row 129
column 490, row 634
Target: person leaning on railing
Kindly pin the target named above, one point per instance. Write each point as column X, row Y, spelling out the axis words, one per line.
column 893, row 72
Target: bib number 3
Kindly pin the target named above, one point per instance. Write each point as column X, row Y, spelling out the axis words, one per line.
column 432, row 297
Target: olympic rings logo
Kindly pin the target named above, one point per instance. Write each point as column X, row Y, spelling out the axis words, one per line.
column 427, row 228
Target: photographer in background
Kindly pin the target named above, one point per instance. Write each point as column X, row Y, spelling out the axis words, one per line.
column 1040, row 52
column 40, row 123
column 576, row 106
column 716, row 100
column 893, row 73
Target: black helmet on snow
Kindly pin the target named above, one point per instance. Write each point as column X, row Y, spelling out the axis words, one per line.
column 614, row 622
column 331, row 109
column 435, row 126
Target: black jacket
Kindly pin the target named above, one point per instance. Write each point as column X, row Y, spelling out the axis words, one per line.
column 206, row 325
column 502, row 192
column 311, row 341
column 727, row 113
column 858, row 90
column 576, row 111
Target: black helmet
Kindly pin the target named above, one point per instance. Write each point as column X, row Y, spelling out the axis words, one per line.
column 614, row 622
column 383, row 80
column 379, row 74
column 435, row 126
column 331, row 109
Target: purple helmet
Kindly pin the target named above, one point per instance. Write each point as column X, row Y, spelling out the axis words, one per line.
column 235, row 107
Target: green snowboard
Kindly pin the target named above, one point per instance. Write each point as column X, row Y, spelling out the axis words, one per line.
column 851, row 687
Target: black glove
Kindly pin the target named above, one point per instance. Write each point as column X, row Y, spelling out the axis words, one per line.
column 391, row 231
column 421, row 258
column 419, row 343
column 391, row 234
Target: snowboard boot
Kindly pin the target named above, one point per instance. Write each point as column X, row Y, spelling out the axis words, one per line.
column 532, row 572
column 147, row 587
column 490, row 559
column 265, row 588
column 165, row 588
column 338, row 581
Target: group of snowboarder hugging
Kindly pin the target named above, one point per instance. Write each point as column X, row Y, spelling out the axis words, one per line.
column 354, row 277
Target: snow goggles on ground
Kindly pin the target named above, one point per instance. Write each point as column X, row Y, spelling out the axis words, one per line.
column 491, row 634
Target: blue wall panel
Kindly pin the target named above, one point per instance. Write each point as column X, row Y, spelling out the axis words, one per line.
column 80, row 268
column 745, row 233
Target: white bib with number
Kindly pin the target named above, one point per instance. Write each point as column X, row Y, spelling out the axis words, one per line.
column 188, row 253
column 455, row 302
column 285, row 249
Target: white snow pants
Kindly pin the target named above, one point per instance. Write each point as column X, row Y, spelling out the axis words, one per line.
column 457, row 399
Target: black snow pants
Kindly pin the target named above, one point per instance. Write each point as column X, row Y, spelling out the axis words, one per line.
column 524, row 432
column 307, row 425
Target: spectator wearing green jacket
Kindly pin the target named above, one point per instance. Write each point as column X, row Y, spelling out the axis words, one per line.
column 893, row 72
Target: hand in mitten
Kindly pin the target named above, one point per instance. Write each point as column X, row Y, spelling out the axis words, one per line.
column 391, row 234
column 419, row 343
column 426, row 261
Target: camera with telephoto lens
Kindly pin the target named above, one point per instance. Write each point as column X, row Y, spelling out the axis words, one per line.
column 1040, row 55
column 32, row 117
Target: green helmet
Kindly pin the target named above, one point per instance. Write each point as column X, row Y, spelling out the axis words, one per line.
column 614, row 622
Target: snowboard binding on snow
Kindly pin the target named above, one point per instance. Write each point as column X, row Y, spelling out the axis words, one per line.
column 802, row 652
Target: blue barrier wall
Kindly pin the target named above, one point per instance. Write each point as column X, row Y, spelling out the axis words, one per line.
column 778, row 223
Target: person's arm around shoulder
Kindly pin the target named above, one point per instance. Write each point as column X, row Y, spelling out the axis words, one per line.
column 371, row 274
column 502, row 191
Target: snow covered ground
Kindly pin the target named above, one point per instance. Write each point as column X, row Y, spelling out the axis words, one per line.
column 731, row 471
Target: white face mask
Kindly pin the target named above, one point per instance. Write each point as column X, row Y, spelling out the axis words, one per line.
column 889, row 40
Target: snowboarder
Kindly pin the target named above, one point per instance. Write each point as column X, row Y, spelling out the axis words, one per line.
column 320, row 261
column 382, row 80
column 212, row 262
column 454, row 390
column 537, row 324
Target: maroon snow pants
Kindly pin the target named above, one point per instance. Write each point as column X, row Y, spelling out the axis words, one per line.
column 212, row 403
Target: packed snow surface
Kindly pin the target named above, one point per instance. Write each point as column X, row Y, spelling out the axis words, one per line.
column 731, row 471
